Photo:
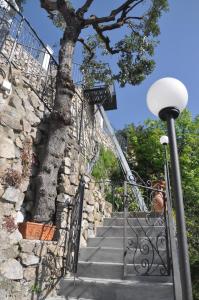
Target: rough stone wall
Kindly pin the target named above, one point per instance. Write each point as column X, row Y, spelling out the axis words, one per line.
column 29, row 268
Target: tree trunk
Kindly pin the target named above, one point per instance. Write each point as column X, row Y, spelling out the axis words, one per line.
column 46, row 181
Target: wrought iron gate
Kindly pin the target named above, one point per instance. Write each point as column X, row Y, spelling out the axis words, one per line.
column 146, row 239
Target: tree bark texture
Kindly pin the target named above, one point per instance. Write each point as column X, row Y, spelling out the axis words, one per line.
column 46, row 181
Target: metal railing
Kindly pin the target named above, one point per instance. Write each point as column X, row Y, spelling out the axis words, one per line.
column 123, row 162
column 75, row 230
column 21, row 47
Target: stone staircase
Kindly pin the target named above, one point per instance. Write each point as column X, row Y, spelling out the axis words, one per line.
column 101, row 265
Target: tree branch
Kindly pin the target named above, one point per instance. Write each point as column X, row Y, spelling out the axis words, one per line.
column 94, row 20
column 124, row 9
column 82, row 41
column 118, row 24
column 82, row 10
column 106, row 40
column 48, row 5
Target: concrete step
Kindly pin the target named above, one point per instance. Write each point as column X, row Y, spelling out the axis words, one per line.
column 138, row 214
column 99, row 289
column 117, row 242
column 55, row 298
column 118, row 231
column 116, row 271
column 133, row 221
column 116, row 255
column 63, row 298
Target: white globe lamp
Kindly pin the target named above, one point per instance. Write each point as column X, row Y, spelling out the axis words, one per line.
column 166, row 94
column 164, row 140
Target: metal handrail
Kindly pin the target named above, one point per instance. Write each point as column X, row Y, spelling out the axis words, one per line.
column 125, row 166
column 21, row 47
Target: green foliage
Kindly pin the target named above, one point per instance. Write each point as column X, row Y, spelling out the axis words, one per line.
column 145, row 156
column 115, row 195
column 35, row 288
column 107, row 169
column 107, row 166
column 137, row 32
column 144, row 151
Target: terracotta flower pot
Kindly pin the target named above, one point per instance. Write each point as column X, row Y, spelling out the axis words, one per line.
column 36, row 231
column 158, row 203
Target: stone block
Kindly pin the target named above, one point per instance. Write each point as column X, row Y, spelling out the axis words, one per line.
column 40, row 249
column 74, row 179
column 27, row 246
column 4, row 165
column 7, row 132
column 96, row 205
column 64, row 198
column 90, row 218
column 15, row 237
column 34, row 100
column 19, row 143
column 29, row 259
column 32, row 118
column 52, row 248
column 24, row 185
column 11, row 269
column 26, row 126
column 84, row 224
column 67, row 162
column 91, row 200
column 87, row 179
column 11, row 118
column 86, row 195
column 9, row 252
column 89, row 208
column 98, row 217
column 7, row 148
column 91, row 186
column 66, row 170
column 13, row 195
column 1, row 189
column 26, row 104
column 41, row 107
column 64, row 221
column 84, row 215
column 29, row 273
column 17, row 103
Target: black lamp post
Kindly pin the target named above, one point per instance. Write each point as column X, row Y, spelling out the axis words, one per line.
column 166, row 98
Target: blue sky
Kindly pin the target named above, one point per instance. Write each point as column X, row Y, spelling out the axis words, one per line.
column 177, row 55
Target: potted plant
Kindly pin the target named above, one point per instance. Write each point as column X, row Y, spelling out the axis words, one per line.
column 36, row 231
column 158, row 201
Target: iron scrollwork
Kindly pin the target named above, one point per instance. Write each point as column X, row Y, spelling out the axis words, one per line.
column 147, row 247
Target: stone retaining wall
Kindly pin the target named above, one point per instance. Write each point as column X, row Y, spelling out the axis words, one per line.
column 29, row 268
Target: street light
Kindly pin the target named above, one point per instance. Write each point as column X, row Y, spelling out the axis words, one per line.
column 164, row 140
column 166, row 98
